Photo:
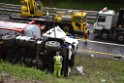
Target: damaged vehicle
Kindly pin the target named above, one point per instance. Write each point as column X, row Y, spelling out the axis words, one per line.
column 25, row 43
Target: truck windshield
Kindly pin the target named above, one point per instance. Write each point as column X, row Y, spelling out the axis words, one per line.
column 80, row 19
column 96, row 17
column 39, row 5
column 101, row 18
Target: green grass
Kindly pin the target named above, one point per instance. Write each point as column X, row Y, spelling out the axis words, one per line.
column 89, row 5
column 95, row 69
column 21, row 71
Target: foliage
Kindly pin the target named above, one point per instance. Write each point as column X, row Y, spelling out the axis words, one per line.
column 78, row 4
column 88, row 5
column 95, row 70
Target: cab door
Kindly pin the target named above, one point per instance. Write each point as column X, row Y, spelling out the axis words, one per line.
column 100, row 22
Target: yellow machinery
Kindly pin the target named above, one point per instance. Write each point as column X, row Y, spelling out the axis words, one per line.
column 77, row 21
column 31, row 8
column 70, row 21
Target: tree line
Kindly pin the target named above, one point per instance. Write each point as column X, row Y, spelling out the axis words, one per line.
column 112, row 1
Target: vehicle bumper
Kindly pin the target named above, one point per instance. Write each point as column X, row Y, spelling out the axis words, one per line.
column 96, row 32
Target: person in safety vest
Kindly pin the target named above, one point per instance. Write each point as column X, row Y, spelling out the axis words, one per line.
column 86, row 34
column 57, row 64
column 47, row 13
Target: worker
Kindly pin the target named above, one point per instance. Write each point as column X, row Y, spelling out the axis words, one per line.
column 32, row 22
column 47, row 13
column 86, row 34
column 57, row 64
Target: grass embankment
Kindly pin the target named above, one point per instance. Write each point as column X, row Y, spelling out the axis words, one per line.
column 97, row 70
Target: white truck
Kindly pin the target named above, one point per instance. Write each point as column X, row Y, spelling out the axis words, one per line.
column 24, row 43
column 109, row 24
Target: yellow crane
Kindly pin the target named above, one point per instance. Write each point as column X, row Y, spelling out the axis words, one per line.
column 69, row 21
column 31, row 8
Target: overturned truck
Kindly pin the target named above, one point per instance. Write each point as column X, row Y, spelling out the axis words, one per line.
column 25, row 43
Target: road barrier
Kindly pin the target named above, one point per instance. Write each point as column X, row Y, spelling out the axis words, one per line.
column 91, row 15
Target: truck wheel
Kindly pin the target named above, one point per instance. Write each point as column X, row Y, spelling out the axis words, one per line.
column 104, row 35
column 52, row 45
column 8, row 39
column 67, row 28
column 120, row 38
column 39, row 64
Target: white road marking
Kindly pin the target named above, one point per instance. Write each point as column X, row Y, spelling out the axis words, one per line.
column 106, row 43
column 103, row 53
column 113, row 44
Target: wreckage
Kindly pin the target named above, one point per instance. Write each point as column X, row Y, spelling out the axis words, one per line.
column 25, row 43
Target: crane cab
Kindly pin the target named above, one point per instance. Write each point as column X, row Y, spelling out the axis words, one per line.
column 78, row 19
column 31, row 8
column 74, row 18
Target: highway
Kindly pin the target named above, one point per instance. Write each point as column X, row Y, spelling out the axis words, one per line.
column 101, row 48
column 96, row 47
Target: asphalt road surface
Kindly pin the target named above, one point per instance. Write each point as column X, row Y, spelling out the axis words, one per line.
column 101, row 48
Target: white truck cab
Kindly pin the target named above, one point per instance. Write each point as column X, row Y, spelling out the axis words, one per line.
column 107, row 23
column 104, row 22
column 104, row 19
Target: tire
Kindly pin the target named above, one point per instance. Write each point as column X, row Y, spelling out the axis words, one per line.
column 67, row 28
column 120, row 38
column 104, row 35
column 39, row 64
column 8, row 39
column 52, row 45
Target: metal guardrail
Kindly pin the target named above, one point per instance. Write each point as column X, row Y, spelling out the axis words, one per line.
column 10, row 10
column 91, row 15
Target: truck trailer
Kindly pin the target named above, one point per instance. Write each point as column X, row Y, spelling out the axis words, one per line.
column 26, row 44
column 110, row 25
